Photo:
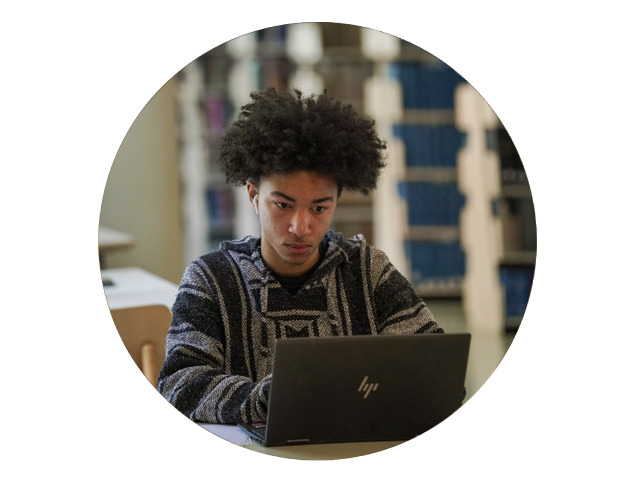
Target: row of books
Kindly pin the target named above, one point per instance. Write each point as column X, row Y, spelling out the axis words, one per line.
column 435, row 261
column 519, row 225
column 273, row 72
column 216, row 67
column 509, row 156
column 218, row 111
column 269, row 71
column 333, row 35
column 426, row 85
column 511, row 165
column 220, row 208
column 276, row 36
column 340, row 35
column 333, row 75
column 431, row 203
column 430, row 145
column 517, row 283
column 512, row 176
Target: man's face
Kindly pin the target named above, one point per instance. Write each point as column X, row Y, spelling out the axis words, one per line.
column 295, row 214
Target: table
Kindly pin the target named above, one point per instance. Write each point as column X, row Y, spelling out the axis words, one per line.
column 134, row 287
column 323, row 451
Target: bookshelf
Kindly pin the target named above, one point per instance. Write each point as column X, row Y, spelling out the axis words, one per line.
column 231, row 71
column 498, row 221
column 518, row 224
column 343, row 60
column 452, row 210
column 429, row 185
column 214, row 87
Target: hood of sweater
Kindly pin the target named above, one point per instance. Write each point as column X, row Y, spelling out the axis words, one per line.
column 339, row 250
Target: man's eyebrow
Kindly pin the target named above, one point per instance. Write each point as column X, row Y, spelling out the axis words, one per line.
column 286, row 197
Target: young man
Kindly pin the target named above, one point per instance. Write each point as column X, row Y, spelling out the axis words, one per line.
column 295, row 155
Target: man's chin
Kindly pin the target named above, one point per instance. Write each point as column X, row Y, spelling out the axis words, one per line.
column 297, row 260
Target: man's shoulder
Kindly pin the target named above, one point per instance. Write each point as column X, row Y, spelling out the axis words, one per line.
column 247, row 245
column 357, row 246
column 228, row 249
column 349, row 245
column 356, row 243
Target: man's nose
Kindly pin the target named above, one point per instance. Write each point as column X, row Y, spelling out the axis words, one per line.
column 301, row 223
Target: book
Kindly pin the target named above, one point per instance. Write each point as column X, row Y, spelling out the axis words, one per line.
column 430, row 145
column 432, row 261
column 429, row 85
column 517, row 282
column 430, row 203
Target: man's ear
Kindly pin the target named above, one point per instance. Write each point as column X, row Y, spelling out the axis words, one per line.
column 253, row 195
column 251, row 190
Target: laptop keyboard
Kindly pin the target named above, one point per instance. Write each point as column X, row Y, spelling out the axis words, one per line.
column 256, row 429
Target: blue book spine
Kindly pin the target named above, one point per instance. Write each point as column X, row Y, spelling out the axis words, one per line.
column 445, row 267
column 439, row 98
column 430, row 266
column 413, row 85
column 521, row 293
column 462, row 262
column 517, row 283
column 212, row 208
column 435, row 261
column 413, row 140
column 449, row 150
column 426, row 86
column 421, row 145
column 432, row 203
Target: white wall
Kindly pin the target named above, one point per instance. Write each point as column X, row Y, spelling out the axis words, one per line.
column 142, row 195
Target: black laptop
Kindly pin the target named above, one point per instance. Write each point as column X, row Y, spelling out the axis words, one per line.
column 362, row 388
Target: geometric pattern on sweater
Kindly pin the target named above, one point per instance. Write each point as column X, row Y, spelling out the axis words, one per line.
column 230, row 310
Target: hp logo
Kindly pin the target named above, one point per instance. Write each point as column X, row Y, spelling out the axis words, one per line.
column 367, row 387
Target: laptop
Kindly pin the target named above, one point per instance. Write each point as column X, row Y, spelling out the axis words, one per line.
column 362, row 388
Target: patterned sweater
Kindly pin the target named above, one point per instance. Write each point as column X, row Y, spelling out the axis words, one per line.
column 230, row 310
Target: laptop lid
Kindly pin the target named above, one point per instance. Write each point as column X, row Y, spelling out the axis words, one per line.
column 364, row 388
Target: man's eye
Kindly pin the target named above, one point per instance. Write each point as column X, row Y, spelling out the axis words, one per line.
column 320, row 209
column 282, row 204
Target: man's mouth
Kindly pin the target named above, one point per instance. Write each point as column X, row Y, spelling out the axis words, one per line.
column 298, row 248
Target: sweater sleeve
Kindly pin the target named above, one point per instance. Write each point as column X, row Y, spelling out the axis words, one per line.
column 399, row 309
column 193, row 377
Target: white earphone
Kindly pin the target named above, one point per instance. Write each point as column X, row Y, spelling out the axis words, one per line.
column 255, row 203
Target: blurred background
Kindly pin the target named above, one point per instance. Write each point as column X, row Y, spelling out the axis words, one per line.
column 453, row 210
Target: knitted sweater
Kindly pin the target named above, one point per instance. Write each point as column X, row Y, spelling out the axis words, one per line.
column 230, row 310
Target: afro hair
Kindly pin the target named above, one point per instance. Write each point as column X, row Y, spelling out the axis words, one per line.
column 282, row 132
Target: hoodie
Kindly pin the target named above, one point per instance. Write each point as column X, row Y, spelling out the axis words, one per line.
column 230, row 309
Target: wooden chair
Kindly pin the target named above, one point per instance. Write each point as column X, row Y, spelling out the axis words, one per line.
column 144, row 333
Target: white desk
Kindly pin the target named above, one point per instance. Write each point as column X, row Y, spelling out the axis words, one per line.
column 134, row 287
